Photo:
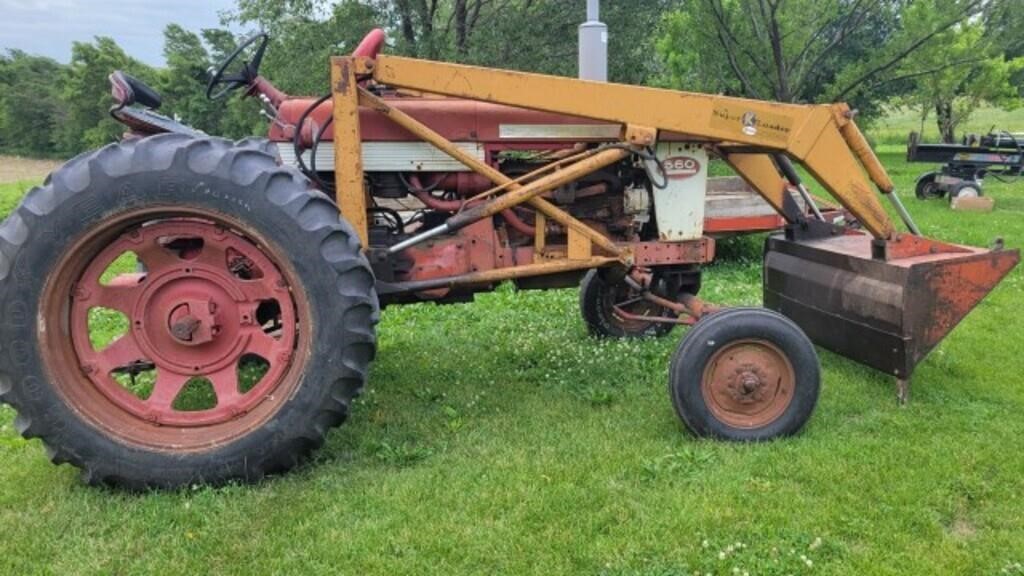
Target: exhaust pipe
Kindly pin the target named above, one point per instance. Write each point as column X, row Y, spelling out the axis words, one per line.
column 593, row 49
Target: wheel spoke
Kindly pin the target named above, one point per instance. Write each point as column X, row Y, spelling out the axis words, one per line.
column 119, row 294
column 225, row 384
column 213, row 254
column 263, row 345
column 154, row 256
column 167, row 387
column 256, row 290
column 120, row 353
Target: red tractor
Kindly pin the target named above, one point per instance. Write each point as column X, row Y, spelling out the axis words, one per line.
column 257, row 268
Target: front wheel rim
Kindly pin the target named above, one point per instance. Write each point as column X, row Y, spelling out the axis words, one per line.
column 748, row 384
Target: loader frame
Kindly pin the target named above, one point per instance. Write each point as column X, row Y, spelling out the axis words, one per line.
column 752, row 136
column 759, row 140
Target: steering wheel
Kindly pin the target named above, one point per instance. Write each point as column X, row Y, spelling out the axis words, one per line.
column 245, row 76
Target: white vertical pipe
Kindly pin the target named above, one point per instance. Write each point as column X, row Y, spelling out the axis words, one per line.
column 593, row 47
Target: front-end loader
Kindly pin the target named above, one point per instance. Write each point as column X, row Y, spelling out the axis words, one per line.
column 179, row 308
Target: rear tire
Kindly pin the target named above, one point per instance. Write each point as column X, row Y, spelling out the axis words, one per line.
column 744, row 374
column 260, row 229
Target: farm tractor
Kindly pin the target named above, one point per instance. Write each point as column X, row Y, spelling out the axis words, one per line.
column 242, row 281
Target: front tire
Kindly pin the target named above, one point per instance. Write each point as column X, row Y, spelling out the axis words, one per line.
column 744, row 374
column 253, row 289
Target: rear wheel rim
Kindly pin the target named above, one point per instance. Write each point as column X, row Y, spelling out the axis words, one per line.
column 748, row 384
column 212, row 305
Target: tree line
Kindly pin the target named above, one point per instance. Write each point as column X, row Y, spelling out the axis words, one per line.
column 944, row 58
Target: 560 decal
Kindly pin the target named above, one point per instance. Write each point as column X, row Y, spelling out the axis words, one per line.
column 681, row 167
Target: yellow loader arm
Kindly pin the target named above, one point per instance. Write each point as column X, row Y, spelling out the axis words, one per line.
column 878, row 296
column 823, row 138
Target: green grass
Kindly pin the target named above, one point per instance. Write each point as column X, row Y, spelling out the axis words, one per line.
column 498, row 438
column 894, row 127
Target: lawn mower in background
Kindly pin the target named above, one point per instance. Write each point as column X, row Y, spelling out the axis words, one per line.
column 255, row 270
column 965, row 165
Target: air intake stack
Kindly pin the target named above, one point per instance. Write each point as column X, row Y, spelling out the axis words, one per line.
column 593, row 64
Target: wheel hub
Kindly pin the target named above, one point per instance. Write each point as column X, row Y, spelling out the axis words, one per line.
column 191, row 320
column 746, row 385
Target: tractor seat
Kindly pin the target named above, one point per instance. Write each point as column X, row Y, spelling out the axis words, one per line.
column 128, row 90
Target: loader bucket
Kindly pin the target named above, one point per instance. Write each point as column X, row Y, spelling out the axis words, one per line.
column 885, row 313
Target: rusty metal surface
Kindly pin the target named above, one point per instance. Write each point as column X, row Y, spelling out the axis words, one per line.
column 748, row 384
column 886, row 314
column 494, row 275
column 662, row 253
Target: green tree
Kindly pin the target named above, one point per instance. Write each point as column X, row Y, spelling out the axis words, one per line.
column 183, row 84
column 30, row 107
column 804, row 50
column 533, row 35
column 1004, row 25
column 969, row 71
column 303, row 38
column 85, row 94
column 542, row 37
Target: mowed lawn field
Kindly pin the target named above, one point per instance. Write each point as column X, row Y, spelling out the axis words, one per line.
column 499, row 438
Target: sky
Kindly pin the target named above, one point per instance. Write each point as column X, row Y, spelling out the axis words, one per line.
column 48, row 27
